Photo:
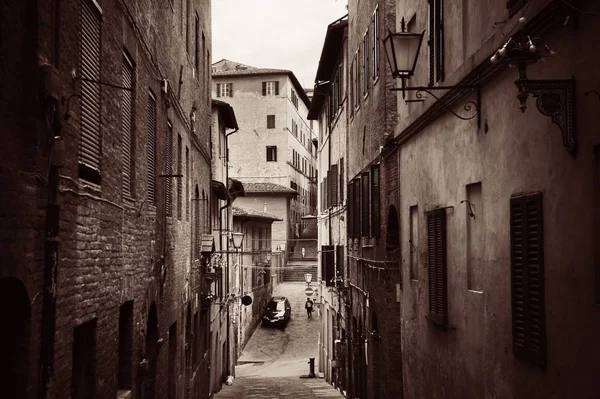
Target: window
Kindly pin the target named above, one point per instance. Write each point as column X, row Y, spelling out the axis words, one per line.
column 475, row 237
column 436, row 262
column 187, row 183
column 179, row 178
column 294, row 99
column 359, row 68
column 514, row 6
column 127, row 155
column 83, row 370
column 527, row 278
column 151, row 147
column 270, row 88
column 413, row 241
column 270, row 121
column 90, row 52
column 169, row 168
column 436, row 41
column 125, row 370
column 327, row 264
column 339, row 259
column 364, row 205
column 334, row 185
column 224, row 89
column 375, row 44
column 375, row 204
column 271, row 153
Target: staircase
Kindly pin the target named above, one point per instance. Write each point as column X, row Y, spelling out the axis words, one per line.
column 296, row 269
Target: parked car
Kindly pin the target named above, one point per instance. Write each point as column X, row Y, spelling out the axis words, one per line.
column 277, row 312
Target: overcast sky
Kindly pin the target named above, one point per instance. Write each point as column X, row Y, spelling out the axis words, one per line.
column 286, row 34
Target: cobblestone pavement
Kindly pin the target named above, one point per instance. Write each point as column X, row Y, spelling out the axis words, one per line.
column 275, row 358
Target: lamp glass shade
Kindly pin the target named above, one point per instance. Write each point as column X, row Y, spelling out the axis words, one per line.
column 237, row 239
column 402, row 51
column 308, row 277
column 268, row 255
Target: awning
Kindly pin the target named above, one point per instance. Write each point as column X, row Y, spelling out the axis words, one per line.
column 208, row 243
column 236, row 188
column 219, row 189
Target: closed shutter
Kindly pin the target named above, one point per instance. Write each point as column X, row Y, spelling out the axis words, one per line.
column 350, row 209
column 264, row 88
column 356, row 208
column 327, row 265
column 364, row 200
column 527, row 278
column 375, row 204
column 90, row 142
column 126, row 117
column 169, row 168
column 334, row 185
column 151, row 147
column 342, row 182
column 277, row 92
column 218, row 90
column 436, row 260
column 179, row 179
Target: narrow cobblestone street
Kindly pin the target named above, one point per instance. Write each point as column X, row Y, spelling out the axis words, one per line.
column 275, row 358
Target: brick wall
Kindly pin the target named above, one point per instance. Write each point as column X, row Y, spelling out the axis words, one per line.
column 112, row 249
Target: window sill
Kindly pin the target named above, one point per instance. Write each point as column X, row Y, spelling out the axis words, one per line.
column 475, row 292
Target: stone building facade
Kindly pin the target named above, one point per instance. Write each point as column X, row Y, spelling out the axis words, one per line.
column 330, row 108
column 107, row 121
column 274, row 144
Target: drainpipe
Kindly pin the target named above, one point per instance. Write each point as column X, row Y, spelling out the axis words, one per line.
column 229, row 368
column 51, row 259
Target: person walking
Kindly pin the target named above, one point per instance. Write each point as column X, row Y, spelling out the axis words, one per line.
column 309, row 307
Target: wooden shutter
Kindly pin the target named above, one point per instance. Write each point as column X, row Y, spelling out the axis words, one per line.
column 169, row 168
column 349, row 210
column 151, row 147
column 230, row 89
column 264, row 88
column 327, row 265
column 126, row 118
column 90, row 142
column 218, row 89
column 334, row 185
column 436, row 260
column 375, row 202
column 527, row 278
column 179, row 179
column 364, row 199
column 431, row 42
column 356, row 208
column 277, row 92
column 342, row 182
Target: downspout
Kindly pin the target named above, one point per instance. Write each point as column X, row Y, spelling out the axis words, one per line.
column 229, row 368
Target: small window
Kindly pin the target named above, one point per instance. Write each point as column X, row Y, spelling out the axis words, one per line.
column 224, row 89
column 270, row 121
column 436, row 41
column 270, row 88
column 327, row 264
column 271, row 154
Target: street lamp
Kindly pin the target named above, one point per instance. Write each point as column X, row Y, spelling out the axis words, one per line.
column 237, row 239
column 308, row 278
column 402, row 49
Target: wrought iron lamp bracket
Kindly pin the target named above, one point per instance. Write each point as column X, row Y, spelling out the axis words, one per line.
column 556, row 99
column 473, row 107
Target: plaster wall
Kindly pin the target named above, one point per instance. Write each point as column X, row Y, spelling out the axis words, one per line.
column 513, row 153
column 275, row 205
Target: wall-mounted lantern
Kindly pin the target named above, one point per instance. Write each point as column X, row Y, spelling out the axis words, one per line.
column 402, row 49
